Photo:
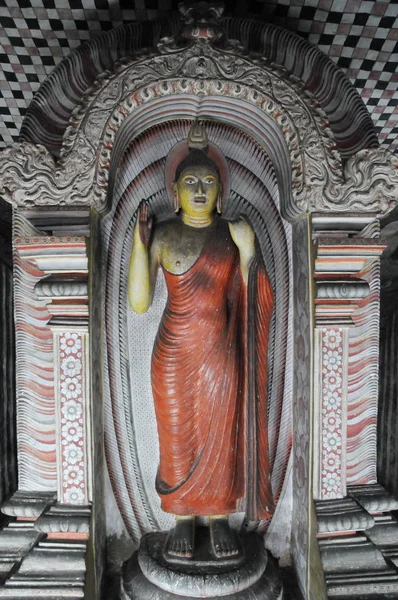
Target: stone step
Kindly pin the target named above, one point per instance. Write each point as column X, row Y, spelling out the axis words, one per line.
column 342, row 514
column 44, row 593
column 353, row 553
column 16, row 540
column 7, row 565
column 64, row 563
column 34, row 566
column 373, row 497
column 384, row 533
column 365, row 586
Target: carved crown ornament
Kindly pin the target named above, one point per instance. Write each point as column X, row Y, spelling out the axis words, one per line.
column 204, row 70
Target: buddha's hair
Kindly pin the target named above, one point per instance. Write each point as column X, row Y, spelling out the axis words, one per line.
column 196, row 158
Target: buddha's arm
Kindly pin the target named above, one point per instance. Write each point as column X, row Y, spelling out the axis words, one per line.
column 143, row 268
column 244, row 237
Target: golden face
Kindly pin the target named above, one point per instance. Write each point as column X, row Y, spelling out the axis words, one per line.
column 197, row 190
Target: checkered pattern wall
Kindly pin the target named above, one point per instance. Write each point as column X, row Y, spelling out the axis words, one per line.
column 361, row 36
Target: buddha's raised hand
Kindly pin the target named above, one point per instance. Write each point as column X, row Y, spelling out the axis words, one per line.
column 143, row 228
column 140, row 288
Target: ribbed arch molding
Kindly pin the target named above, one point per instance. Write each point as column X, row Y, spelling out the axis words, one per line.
column 78, row 75
column 51, row 109
column 224, row 110
column 349, row 119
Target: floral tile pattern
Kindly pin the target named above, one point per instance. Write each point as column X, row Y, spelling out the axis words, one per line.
column 72, row 451
column 332, row 413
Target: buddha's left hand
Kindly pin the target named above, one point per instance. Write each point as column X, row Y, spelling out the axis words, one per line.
column 243, row 235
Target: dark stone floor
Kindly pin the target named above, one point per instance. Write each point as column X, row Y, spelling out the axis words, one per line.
column 291, row 588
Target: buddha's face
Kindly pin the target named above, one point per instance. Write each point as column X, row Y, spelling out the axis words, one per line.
column 197, row 189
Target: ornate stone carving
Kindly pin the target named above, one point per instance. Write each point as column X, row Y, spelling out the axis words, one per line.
column 216, row 73
column 29, row 176
column 341, row 290
column 370, row 183
column 21, row 164
column 56, row 287
column 202, row 20
column 343, row 514
column 202, row 70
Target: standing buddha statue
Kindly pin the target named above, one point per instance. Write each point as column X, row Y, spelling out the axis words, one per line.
column 209, row 361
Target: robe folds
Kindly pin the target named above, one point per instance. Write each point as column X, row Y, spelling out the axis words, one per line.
column 209, row 382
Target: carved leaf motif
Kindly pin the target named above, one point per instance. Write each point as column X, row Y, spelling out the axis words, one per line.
column 115, row 92
column 283, row 92
column 19, row 167
column 29, row 176
column 371, row 182
column 165, row 66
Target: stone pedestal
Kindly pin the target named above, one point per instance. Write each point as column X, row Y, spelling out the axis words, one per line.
column 149, row 575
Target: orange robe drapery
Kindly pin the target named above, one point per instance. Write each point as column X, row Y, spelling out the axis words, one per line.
column 209, row 381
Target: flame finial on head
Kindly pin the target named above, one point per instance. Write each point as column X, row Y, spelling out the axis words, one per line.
column 197, row 136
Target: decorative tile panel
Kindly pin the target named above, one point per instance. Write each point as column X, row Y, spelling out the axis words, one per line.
column 72, row 451
column 60, row 289
column 333, row 358
column 346, row 364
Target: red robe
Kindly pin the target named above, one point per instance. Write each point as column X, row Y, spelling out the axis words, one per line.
column 209, row 381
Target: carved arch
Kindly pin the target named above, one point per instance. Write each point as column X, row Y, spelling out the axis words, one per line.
column 61, row 95
column 94, row 128
column 301, row 175
column 289, row 106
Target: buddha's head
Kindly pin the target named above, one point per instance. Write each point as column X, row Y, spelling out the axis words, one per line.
column 197, row 186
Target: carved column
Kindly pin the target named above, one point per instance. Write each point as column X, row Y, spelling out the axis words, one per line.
column 68, row 299
column 53, row 417
column 64, row 291
column 339, row 266
column 345, row 416
column 339, row 290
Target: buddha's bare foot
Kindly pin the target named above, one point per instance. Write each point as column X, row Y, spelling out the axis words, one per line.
column 180, row 541
column 225, row 542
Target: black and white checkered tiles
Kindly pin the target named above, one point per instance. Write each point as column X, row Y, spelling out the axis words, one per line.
column 361, row 36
